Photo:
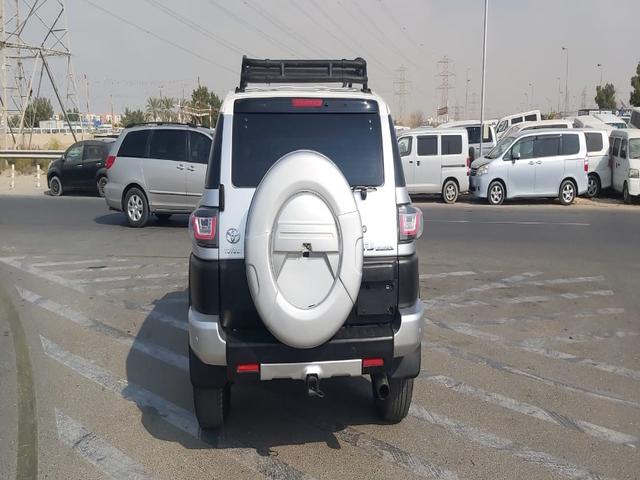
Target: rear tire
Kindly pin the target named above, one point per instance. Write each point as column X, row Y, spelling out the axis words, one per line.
column 567, row 193
column 212, row 406
column 496, row 193
column 100, row 184
column 450, row 192
column 593, row 187
column 625, row 194
column 136, row 208
column 396, row 406
column 55, row 186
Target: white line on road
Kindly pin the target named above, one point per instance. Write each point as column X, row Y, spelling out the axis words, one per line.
column 78, row 262
column 447, row 274
column 104, row 268
column 507, row 222
column 108, row 459
column 142, row 288
column 503, row 367
column 597, row 431
column 489, row 440
column 16, row 263
column 122, row 278
column 172, row 414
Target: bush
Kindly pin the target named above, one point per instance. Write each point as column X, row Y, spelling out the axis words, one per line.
column 25, row 166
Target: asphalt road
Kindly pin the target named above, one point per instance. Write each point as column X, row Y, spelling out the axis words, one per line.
column 531, row 365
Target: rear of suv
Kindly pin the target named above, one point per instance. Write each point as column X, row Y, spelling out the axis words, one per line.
column 304, row 262
column 157, row 168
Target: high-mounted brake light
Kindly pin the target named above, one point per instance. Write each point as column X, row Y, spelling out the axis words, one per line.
column 372, row 362
column 203, row 227
column 586, row 164
column 111, row 159
column 410, row 223
column 307, row 102
column 248, row 368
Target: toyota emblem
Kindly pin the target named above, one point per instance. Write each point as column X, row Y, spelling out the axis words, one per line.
column 233, row 235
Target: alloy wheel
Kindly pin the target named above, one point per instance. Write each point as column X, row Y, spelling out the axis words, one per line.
column 134, row 207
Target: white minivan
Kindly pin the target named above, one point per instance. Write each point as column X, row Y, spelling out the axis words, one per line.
column 436, row 161
column 538, row 163
column 519, row 127
column 507, row 121
column 473, row 131
column 599, row 166
column 625, row 162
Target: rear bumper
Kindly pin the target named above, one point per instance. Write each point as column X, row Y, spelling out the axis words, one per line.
column 113, row 195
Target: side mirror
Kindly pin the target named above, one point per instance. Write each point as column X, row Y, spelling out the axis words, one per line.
column 515, row 156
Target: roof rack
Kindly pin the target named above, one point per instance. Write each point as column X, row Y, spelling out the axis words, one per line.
column 346, row 72
column 188, row 124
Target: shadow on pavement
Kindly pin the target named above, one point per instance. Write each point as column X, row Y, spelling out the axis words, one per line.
column 263, row 415
column 119, row 219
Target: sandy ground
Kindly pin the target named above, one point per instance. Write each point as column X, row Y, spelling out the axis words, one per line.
column 24, row 184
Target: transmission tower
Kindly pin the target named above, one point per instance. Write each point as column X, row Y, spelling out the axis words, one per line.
column 401, row 90
column 445, row 74
column 35, row 52
column 583, row 98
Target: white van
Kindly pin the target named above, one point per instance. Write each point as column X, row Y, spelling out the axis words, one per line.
column 625, row 162
column 634, row 120
column 473, row 132
column 599, row 166
column 589, row 121
column 436, row 161
column 506, row 122
column 519, row 127
column 610, row 119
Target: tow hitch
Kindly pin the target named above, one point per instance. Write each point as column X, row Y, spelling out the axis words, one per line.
column 313, row 386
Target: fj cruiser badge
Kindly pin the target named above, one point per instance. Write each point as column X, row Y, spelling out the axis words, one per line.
column 233, row 235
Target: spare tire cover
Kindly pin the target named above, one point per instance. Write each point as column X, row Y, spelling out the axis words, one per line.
column 303, row 249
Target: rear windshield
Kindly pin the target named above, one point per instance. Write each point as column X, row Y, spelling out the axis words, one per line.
column 347, row 132
column 594, row 141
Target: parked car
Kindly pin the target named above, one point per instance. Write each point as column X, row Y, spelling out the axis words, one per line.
column 610, row 119
column 625, row 162
column 436, row 161
column 542, row 163
column 473, row 132
column 599, row 175
column 81, row 167
column 157, row 168
column 304, row 262
column 505, row 122
column 519, row 127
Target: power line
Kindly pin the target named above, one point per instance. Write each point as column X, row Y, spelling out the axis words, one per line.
column 161, row 38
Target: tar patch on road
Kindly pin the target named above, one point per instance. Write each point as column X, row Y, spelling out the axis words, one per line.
column 27, row 450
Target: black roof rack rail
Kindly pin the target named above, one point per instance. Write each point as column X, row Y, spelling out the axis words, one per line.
column 140, row 124
column 346, row 72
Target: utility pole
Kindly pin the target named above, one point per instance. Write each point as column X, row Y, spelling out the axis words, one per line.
column 444, row 87
column 484, row 64
column 3, row 67
column 559, row 94
column 583, row 98
column 566, row 83
column 113, row 120
column 401, row 91
column 531, row 95
column 466, row 95
column 600, row 67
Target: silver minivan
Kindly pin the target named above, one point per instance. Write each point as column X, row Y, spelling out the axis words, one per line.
column 541, row 163
column 157, row 168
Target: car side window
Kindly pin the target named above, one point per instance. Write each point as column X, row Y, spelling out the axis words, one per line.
column 74, row 155
column 546, row 146
column 200, row 147
column 594, row 142
column 570, row 144
column 134, row 144
column 616, row 147
column 524, row 147
column 623, row 149
column 404, row 145
column 531, row 118
column 427, row 145
column 451, row 144
column 516, row 120
column 474, row 134
column 92, row 153
column 168, row 145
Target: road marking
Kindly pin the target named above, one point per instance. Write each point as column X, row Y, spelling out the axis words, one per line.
column 15, row 263
column 551, row 316
column 141, row 288
column 469, row 330
column 104, row 268
column 269, row 466
column 108, row 459
column 597, row 431
column 122, row 278
column 507, row 222
column 447, row 274
column 78, row 262
column 489, row 440
column 155, row 351
column 503, row 367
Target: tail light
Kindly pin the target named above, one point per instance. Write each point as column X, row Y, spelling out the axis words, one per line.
column 468, row 166
column 203, row 227
column 586, row 164
column 111, row 159
column 410, row 223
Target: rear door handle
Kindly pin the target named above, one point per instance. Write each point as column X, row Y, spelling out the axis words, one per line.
column 531, row 162
column 410, row 161
column 180, row 167
column 418, row 163
column 539, row 162
column 191, row 169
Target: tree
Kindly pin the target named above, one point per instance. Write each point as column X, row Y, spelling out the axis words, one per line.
column 416, row 119
column 166, row 109
column 38, row 109
column 154, row 108
column 634, row 98
column 201, row 101
column 132, row 116
column 606, row 97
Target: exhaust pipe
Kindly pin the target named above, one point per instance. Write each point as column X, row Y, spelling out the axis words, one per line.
column 381, row 386
column 313, row 386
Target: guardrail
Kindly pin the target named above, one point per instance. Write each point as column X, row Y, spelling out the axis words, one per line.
column 36, row 154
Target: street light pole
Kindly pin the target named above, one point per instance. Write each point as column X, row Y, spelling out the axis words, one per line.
column 566, row 83
column 466, row 96
column 484, row 64
column 531, row 96
column 559, row 93
column 600, row 67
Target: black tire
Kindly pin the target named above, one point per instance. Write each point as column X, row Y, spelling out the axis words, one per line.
column 593, row 187
column 626, row 197
column 100, row 184
column 567, row 193
column 211, row 406
column 136, row 208
column 450, row 192
column 396, row 406
column 496, row 193
column 163, row 217
column 55, row 186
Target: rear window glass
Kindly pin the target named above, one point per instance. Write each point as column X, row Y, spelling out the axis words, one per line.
column 427, row 145
column 474, row 134
column 213, row 170
column 570, row 144
column 546, row 146
column 353, row 141
column 594, row 141
column 134, row 144
column 451, row 144
column 169, row 145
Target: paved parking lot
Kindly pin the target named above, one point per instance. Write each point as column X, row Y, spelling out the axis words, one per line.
column 530, row 366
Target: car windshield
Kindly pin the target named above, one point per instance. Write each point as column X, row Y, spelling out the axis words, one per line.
column 634, row 148
column 617, row 125
column 499, row 149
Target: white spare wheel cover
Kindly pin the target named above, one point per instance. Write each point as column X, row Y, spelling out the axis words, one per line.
column 303, row 249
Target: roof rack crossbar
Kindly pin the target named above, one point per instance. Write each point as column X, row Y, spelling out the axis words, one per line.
column 346, row 72
column 159, row 122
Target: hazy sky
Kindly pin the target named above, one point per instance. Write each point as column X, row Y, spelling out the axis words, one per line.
column 210, row 36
